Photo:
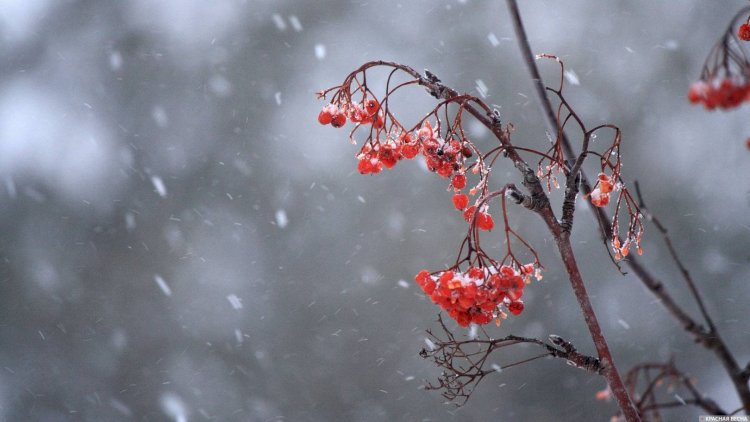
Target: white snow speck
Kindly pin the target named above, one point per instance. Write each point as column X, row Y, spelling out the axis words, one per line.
column 481, row 88
column 409, row 378
column 277, row 97
column 220, row 86
column 174, row 407
column 671, row 45
column 403, row 284
column 235, row 301
column 473, row 331
column 279, row 22
column 493, row 39
column 430, row 344
column 162, row 285
column 320, row 51
column 496, row 368
column 629, row 50
column 120, row 407
column 296, row 25
column 115, row 60
column 159, row 186
column 623, row 324
column 238, row 335
column 10, row 186
column 160, row 116
column 571, row 77
column 129, row 221
column 361, row 199
column 281, row 219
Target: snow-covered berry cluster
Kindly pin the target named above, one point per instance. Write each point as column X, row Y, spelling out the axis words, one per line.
column 604, row 187
column 478, row 295
column 724, row 93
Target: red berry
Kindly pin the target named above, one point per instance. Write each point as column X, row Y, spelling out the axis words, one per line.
column 378, row 122
column 475, row 272
column 325, row 117
column 744, row 32
column 598, row 198
column 389, row 155
column 372, row 106
column 694, row 94
column 484, row 221
column 459, row 181
column 445, row 169
column 426, row 131
column 338, row 120
column 515, row 308
column 460, row 201
column 469, row 213
column 410, row 151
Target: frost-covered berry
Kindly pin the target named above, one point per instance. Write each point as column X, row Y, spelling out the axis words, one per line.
column 460, row 201
column 744, row 32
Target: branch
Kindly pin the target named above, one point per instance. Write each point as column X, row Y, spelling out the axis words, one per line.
column 710, row 339
column 465, row 363
column 673, row 253
column 563, row 240
column 665, row 375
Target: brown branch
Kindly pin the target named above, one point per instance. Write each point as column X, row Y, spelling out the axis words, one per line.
column 710, row 339
column 666, row 374
column 675, row 258
column 563, row 239
column 465, row 363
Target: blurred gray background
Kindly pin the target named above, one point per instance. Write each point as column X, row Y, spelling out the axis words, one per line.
column 181, row 240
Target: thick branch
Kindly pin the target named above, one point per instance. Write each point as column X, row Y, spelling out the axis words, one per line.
column 709, row 338
column 563, row 243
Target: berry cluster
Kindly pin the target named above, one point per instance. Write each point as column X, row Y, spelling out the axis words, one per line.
column 483, row 219
column 600, row 194
column 722, row 93
column 744, row 32
column 444, row 157
column 477, row 294
column 622, row 249
column 366, row 113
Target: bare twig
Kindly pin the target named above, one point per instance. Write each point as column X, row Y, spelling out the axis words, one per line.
column 655, row 377
column 465, row 363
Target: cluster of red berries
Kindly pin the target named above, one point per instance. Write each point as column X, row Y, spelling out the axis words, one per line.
column 366, row 113
column 622, row 249
column 442, row 156
column 477, row 294
column 483, row 220
column 461, row 202
column 744, row 32
column 722, row 93
column 600, row 194
column 373, row 157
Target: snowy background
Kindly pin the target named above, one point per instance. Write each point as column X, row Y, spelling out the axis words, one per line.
column 180, row 239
